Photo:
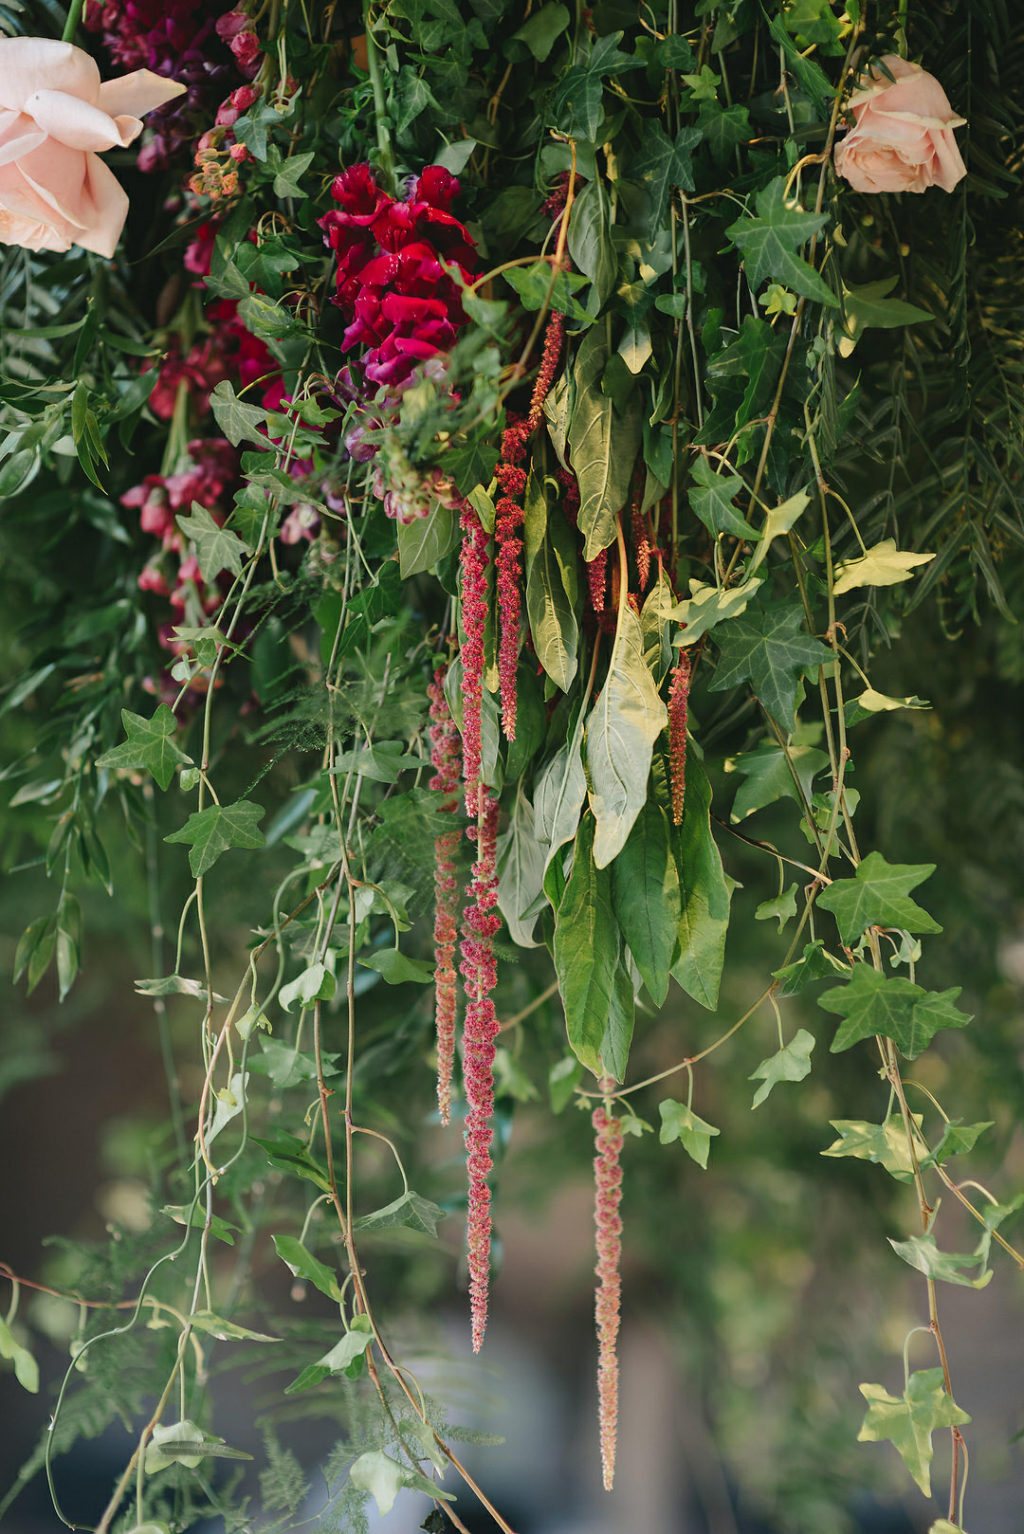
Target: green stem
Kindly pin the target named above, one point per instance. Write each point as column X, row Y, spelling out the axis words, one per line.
column 373, row 64
column 71, row 25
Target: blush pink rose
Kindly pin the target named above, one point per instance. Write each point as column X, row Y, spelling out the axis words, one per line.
column 55, row 115
column 902, row 138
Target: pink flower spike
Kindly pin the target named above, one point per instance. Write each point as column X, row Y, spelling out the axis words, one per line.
column 446, row 760
column 473, row 561
column 678, row 698
column 480, row 1030
column 608, row 1228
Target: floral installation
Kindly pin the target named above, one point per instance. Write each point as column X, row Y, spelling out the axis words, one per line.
column 475, row 487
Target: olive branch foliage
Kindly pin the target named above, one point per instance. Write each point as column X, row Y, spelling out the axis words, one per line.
column 808, row 400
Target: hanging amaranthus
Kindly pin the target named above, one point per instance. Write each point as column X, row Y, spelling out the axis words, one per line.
column 511, row 476
column 446, row 758
column 480, row 973
column 678, row 698
column 608, row 1229
column 473, row 568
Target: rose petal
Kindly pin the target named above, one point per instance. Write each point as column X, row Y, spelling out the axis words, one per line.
column 18, row 136
column 77, row 124
column 30, row 64
column 138, row 93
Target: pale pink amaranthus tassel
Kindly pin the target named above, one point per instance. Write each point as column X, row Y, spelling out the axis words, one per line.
column 480, row 1030
column 446, row 759
column 608, row 1227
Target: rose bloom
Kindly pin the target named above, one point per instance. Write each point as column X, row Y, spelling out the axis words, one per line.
column 902, row 138
column 55, row 115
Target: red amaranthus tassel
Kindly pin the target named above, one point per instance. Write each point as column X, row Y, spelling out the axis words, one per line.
column 678, row 697
column 480, row 973
column 642, row 546
column 473, row 564
column 446, row 759
column 608, row 1228
column 597, row 570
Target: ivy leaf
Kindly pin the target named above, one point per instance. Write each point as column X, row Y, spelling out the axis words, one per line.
column 384, row 1478
column 781, row 909
column 195, row 1217
column 708, row 606
column 908, row 1421
column 815, row 963
column 663, row 164
column 769, row 774
column 647, row 900
column 238, row 421
column 678, row 1122
column 150, row 746
column 396, row 968
column 866, row 305
column 893, row 1006
column 289, row 173
column 723, row 128
column 792, row 1063
column 251, row 129
column 185, row 1444
column 779, row 521
column 302, row 1264
column 878, row 896
column 603, row 444
column 212, row 831
column 712, row 501
column 541, row 30
column 957, row 1137
column 217, row 549
column 705, row 893
column 226, row 1331
column 410, row 1211
column 552, row 585
column 883, row 565
column 882, row 1144
column 595, row 988
column 921, row 1252
column 768, row 650
column 769, row 242
column 533, row 284
column 315, row 983
column 621, row 730
column 26, row 1370
column 289, row 1153
column 352, row 1345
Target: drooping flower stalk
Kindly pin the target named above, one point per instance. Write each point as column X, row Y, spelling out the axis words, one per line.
column 508, row 519
column 678, row 696
column 473, row 563
column 642, row 546
column 446, row 759
column 597, row 573
column 608, row 1231
column 553, row 337
column 479, row 971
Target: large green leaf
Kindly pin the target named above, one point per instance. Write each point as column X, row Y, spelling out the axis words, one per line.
column 150, row 746
column 705, row 894
column 769, row 242
column 770, row 773
column 769, row 650
column 425, row 541
column 593, row 982
column 646, row 898
column 522, row 860
column 908, row 1421
column 560, row 794
column 603, row 443
column 712, row 495
column 622, row 727
column 590, row 241
column 878, row 896
column 552, row 585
